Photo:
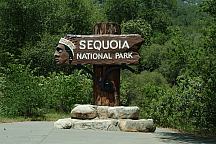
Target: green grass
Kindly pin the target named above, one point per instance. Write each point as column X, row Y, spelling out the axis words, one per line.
column 56, row 116
column 10, row 119
column 45, row 117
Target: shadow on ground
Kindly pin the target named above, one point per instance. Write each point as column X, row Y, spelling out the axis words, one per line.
column 170, row 137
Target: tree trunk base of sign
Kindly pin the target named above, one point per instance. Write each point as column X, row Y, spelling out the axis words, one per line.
column 106, row 84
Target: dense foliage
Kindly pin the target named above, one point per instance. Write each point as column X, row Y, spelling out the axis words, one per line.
column 27, row 95
column 177, row 87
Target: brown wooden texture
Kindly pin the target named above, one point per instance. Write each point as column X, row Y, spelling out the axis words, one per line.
column 102, row 97
column 90, row 55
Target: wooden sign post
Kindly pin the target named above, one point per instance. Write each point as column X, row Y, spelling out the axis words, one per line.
column 101, row 97
column 107, row 50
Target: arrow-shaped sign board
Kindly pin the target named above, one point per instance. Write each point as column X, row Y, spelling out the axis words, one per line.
column 100, row 49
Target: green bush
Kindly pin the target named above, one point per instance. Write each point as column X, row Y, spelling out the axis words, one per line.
column 191, row 102
column 23, row 94
column 185, row 106
column 142, row 88
column 63, row 91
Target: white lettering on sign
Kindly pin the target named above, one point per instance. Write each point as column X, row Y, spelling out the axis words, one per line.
column 123, row 55
column 90, row 44
column 102, row 44
column 88, row 56
column 82, row 44
column 104, row 56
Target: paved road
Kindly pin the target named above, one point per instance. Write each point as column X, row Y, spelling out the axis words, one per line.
column 45, row 133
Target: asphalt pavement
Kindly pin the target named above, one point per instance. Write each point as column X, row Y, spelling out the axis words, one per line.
column 45, row 133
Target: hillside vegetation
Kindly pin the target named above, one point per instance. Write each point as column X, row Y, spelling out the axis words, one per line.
column 177, row 83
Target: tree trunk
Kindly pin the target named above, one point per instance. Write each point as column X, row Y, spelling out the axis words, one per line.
column 106, row 75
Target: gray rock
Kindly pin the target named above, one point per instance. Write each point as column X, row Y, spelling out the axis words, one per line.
column 75, row 105
column 114, row 126
column 102, row 112
column 127, row 125
column 121, row 112
column 107, row 125
column 84, row 112
column 142, row 125
column 63, row 123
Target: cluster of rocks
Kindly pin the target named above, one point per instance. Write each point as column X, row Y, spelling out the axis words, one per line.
column 107, row 118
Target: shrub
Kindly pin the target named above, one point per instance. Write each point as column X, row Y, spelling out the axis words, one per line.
column 191, row 103
column 24, row 94
column 142, row 88
column 63, row 91
column 183, row 107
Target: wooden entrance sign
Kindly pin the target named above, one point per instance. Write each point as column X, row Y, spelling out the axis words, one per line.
column 106, row 50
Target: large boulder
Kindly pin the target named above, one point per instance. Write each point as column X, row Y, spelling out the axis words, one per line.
column 84, row 112
column 142, row 125
column 102, row 112
column 64, row 123
column 106, row 125
column 121, row 112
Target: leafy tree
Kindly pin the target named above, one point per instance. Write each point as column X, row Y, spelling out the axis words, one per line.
column 152, row 56
column 157, row 13
column 138, row 27
column 24, row 21
column 12, row 30
column 209, row 7
column 81, row 15
column 40, row 56
column 121, row 11
column 158, row 19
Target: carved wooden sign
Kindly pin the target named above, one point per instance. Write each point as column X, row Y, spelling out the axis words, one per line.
column 100, row 49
